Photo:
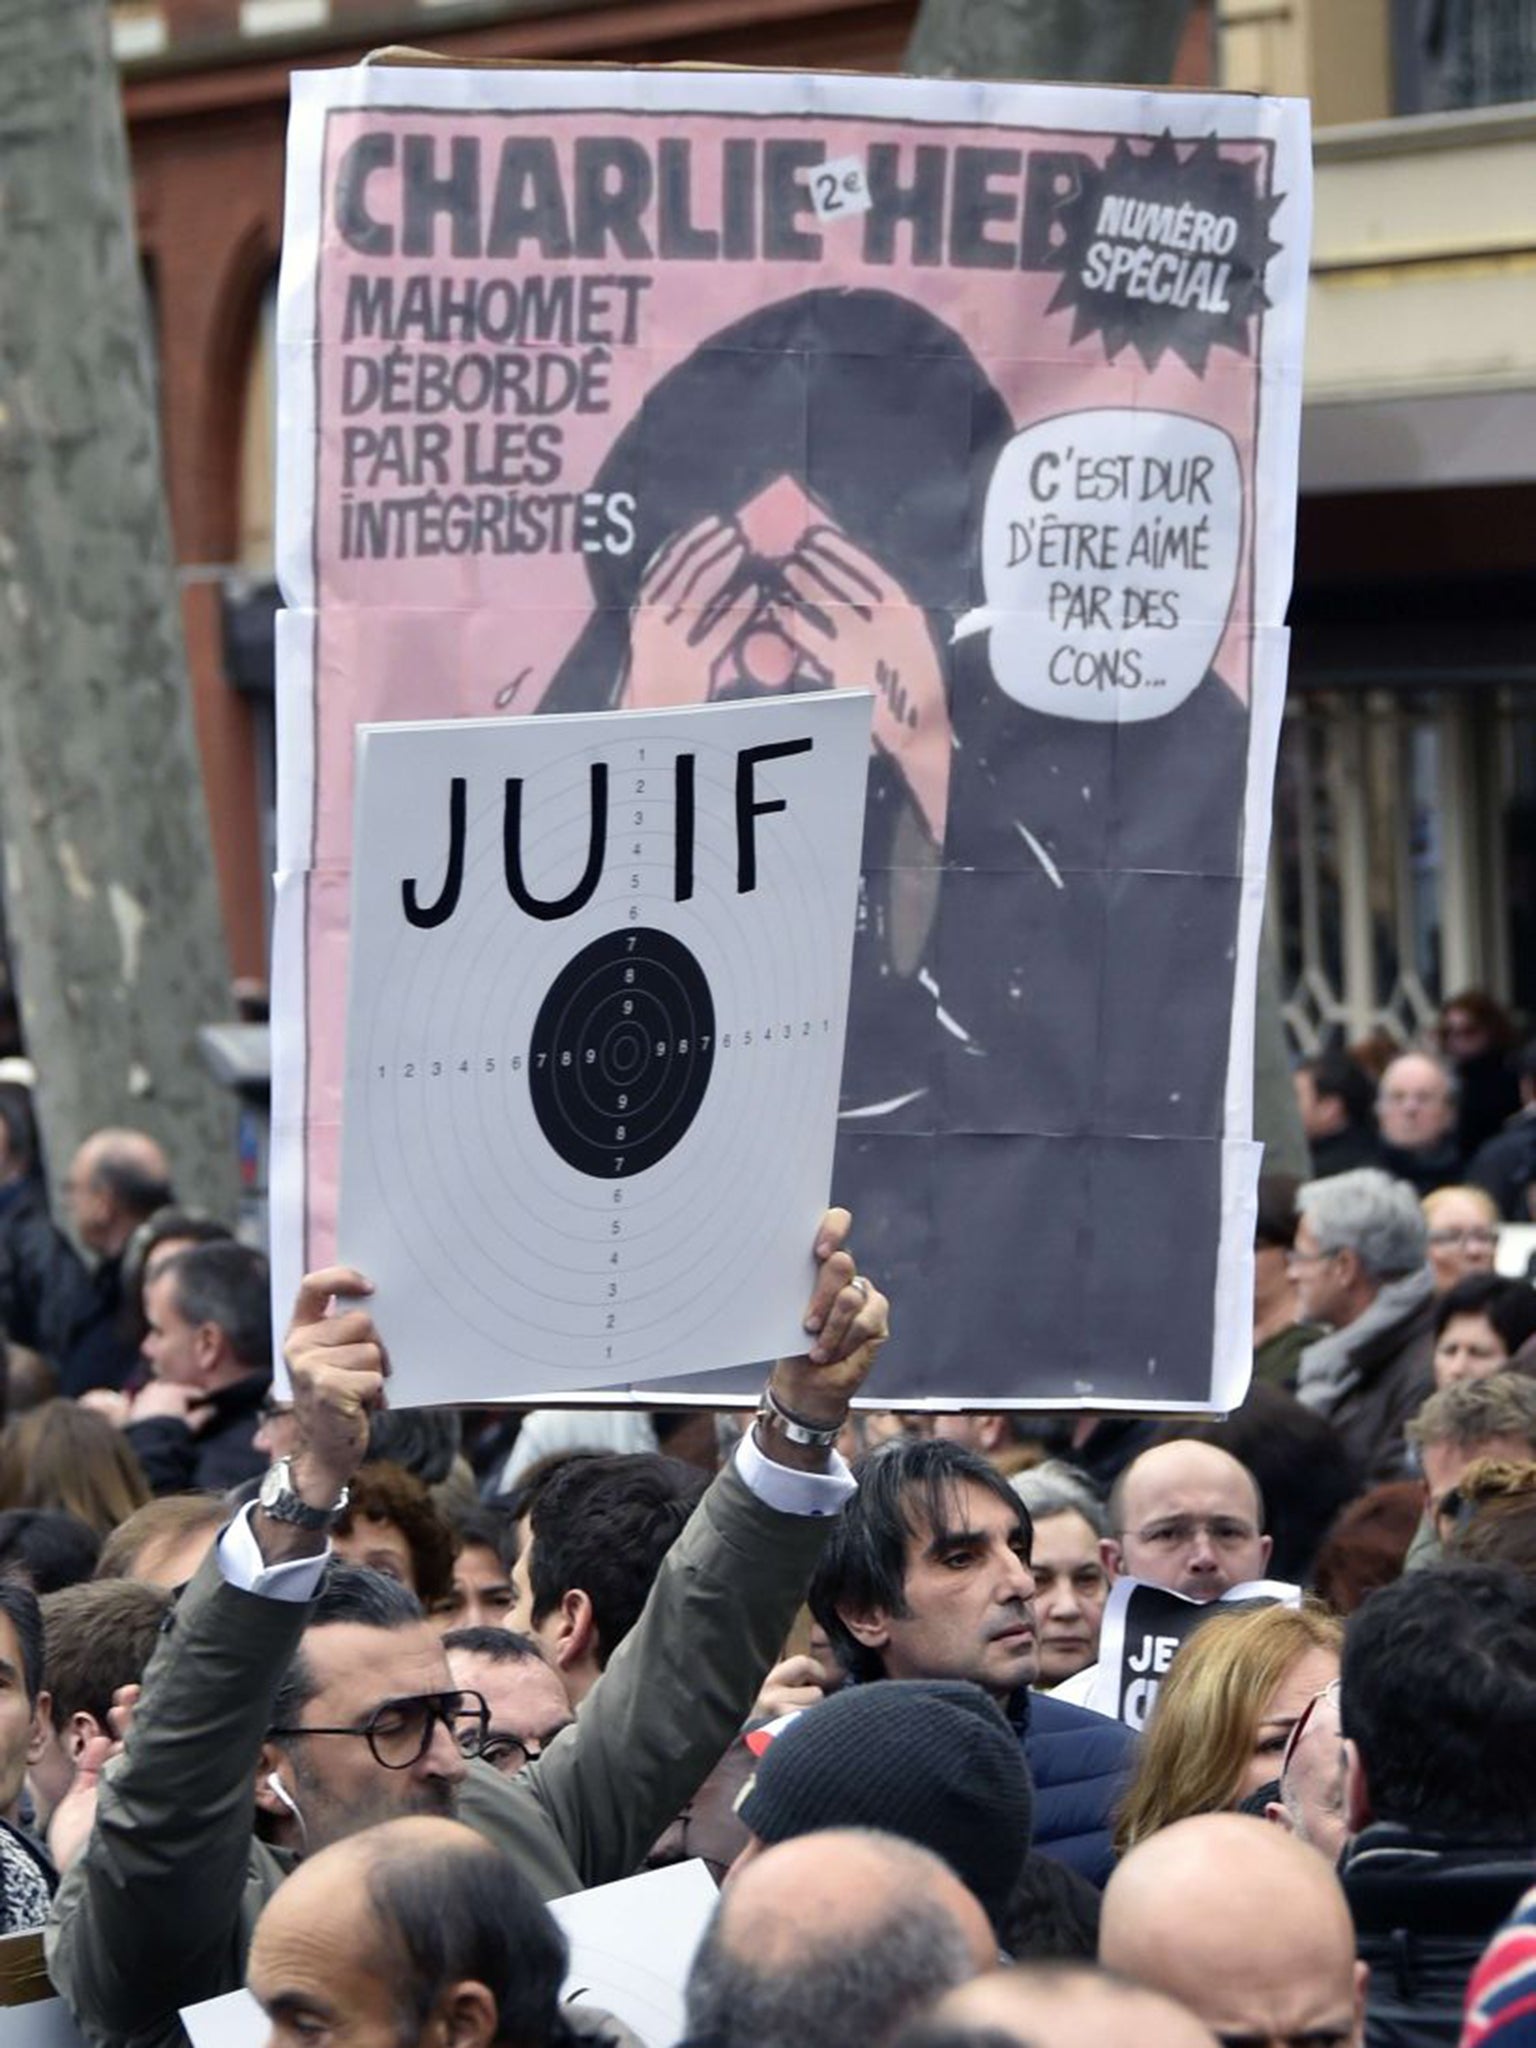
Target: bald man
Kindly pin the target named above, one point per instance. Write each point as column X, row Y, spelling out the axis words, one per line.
column 116, row 1180
column 1245, row 1927
column 834, row 1937
column 1416, row 1116
column 1185, row 1515
column 1056, row 2005
column 412, row 1933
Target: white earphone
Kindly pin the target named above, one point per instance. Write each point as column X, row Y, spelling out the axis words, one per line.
column 279, row 1791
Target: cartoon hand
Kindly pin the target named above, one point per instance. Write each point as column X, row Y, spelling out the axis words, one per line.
column 867, row 634
column 692, row 605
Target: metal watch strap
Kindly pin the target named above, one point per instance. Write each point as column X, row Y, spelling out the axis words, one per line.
column 772, row 1412
column 278, row 1499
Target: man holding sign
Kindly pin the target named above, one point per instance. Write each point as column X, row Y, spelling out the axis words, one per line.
column 328, row 1696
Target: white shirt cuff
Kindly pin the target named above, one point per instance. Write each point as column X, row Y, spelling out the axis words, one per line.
column 244, row 1568
column 790, row 1492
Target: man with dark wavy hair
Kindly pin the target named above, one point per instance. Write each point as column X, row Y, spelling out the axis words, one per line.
column 928, row 1575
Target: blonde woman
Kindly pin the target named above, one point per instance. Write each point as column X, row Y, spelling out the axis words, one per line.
column 1224, row 1713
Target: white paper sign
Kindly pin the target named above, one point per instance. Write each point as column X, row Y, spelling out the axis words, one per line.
column 632, row 1944
column 595, row 1030
column 1145, row 1626
column 233, row 2021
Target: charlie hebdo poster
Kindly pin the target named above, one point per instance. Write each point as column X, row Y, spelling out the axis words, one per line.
column 606, row 389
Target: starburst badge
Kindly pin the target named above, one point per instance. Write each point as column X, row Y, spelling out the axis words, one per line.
column 1158, row 248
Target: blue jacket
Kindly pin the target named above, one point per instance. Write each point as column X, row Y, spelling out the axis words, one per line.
column 1081, row 1763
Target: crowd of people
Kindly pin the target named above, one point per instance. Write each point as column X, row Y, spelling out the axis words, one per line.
column 301, row 1692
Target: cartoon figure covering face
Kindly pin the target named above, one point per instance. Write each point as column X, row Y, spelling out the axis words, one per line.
column 1043, row 969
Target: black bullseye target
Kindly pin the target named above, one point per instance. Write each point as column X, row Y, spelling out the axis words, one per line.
column 621, row 1052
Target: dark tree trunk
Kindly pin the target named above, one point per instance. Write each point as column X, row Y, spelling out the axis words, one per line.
column 1110, row 42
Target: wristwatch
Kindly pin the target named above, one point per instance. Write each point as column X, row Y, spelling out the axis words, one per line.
column 774, row 1416
column 278, row 1499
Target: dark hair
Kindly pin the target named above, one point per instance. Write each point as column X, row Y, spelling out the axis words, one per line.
column 1486, row 1012
column 18, row 1603
column 348, row 1593
column 467, row 1912
column 118, row 1168
column 906, row 1490
column 97, row 1637
column 165, row 1520
column 1335, row 1074
column 732, row 414
column 520, row 1499
column 423, row 1440
column 1508, row 1305
column 475, row 1523
column 501, row 1645
column 1275, row 1222
column 27, row 1380
column 602, row 1526
column 19, row 1120
column 1299, row 1465
column 230, row 1285
column 388, row 1493
column 1052, row 1914
column 170, row 1224
column 1439, row 1692
column 931, row 2033
column 1366, row 1546
column 46, row 1548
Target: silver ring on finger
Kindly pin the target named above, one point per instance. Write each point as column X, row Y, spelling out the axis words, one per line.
column 862, row 1285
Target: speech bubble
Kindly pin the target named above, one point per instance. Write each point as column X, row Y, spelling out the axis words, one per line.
column 1109, row 552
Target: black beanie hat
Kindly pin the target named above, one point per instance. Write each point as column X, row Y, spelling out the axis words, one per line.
column 931, row 1760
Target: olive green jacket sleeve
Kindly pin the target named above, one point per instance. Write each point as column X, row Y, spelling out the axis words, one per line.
column 158, row 1911
column 672, row 1699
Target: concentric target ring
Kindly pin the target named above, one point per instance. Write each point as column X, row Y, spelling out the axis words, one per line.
column 621, row 1052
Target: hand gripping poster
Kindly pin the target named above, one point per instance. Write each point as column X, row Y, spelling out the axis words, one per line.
column 629, row 390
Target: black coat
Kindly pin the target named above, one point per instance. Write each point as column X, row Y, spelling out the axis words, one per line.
column 48, row 1300
column 1424, row 1911
column 178, row 1459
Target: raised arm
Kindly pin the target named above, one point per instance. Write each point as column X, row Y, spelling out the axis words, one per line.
column 156, row 1911
column 680, row 1685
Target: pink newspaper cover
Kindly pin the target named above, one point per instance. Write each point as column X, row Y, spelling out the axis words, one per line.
column 624, row 390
